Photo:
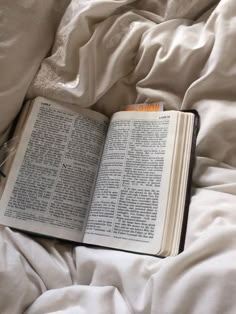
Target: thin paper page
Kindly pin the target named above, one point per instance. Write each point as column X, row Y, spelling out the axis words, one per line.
column 50, row 185
column 129, row 202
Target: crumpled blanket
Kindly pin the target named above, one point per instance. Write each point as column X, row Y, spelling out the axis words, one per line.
column 105, row 54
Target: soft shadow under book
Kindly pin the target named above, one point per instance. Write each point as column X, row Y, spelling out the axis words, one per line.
column 122, row 182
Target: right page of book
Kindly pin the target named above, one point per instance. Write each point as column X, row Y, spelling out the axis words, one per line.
column 129, row 203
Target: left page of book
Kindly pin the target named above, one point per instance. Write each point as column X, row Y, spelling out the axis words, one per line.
column 49, row 187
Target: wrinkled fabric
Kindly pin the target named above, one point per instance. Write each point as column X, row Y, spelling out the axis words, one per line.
column 27, row 31
column 104, row 55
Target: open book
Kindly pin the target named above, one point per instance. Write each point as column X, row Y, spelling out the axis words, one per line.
column 120, row 183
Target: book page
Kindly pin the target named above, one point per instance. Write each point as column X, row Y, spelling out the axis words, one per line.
column 129, row 203
column 51, row 181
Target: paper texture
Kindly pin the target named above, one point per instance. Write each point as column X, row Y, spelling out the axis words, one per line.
column 54, row 171
column 135, row 170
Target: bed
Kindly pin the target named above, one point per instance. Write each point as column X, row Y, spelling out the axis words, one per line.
column 105, row 54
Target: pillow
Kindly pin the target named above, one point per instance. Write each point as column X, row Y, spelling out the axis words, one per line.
column 27, row 31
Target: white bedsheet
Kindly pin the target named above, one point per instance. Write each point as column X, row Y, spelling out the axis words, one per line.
column 107, row 54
